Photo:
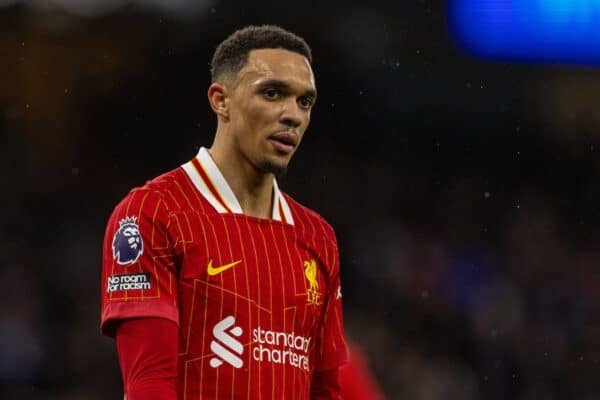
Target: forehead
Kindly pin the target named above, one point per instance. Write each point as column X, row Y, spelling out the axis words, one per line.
column 279, row 64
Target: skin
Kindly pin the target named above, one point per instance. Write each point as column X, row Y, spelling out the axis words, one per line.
column 273, row 93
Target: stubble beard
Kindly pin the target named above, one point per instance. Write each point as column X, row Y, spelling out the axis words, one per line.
column 268, row 166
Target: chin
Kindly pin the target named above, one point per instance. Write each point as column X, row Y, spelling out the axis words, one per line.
column 275, row 167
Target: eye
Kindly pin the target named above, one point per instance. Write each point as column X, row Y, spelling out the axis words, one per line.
column 271, row 93
column 306, row 102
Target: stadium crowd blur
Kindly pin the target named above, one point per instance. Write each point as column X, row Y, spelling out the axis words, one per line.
column 465, row 194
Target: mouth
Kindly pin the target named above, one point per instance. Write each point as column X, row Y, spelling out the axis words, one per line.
column 284, row 141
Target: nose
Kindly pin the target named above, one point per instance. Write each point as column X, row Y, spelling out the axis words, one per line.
column 291, row 114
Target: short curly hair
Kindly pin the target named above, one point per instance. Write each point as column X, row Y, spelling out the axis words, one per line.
column 232, row 54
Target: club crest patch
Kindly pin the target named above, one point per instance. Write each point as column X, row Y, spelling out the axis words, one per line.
column 127, row 243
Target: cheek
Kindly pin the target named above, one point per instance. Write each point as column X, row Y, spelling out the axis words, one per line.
column 260, row 117
column 307, row 119
column 305, row 122
column 261, row 110
column 247, row 111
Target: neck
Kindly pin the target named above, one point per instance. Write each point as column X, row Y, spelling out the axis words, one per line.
column 252, row 187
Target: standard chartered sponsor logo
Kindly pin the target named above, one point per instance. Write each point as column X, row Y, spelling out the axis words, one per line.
column 225, row 346
column 270, row 346
column 280, row 348
column 128, row 282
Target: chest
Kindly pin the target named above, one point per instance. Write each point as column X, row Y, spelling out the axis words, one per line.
column 270, row 265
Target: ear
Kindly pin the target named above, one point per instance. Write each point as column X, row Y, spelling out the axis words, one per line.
column 217, row 97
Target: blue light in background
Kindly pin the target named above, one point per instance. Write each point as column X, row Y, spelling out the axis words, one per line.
column 561, row 31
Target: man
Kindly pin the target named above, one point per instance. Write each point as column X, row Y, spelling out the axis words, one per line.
column 216, row 284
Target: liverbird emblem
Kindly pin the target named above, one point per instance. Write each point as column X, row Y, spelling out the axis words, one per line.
column 310, row 271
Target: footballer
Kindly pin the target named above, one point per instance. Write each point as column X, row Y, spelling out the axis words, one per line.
column 216, row 284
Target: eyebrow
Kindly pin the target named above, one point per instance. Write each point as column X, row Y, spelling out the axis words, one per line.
column 279, row 84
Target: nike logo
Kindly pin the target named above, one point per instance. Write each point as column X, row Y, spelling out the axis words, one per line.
column 212, row 271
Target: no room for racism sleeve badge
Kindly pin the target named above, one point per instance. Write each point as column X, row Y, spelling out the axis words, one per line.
column 127, row 243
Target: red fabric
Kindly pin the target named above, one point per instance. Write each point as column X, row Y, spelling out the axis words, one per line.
column 274, row 313
column 326, row 385
column 138, row 284
column 147, row 350
column 357, row 381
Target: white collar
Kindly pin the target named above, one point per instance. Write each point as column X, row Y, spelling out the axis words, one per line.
column 210, row 182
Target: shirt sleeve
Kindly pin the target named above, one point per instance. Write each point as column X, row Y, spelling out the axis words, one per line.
column 331, row 350
column 138, row 266
column 147, row 350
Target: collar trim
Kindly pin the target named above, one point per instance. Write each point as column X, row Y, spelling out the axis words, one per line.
column 210, row 182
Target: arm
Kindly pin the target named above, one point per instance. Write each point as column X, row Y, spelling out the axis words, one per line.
column 147, row 350
column 139, row 297
column 139, row 272
column 326, row 385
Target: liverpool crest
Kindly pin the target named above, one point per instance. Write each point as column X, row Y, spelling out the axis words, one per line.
column 310, row 271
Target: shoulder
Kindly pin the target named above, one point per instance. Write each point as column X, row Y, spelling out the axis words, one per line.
column 310, row 219
column 162, row 193
column 170, row 186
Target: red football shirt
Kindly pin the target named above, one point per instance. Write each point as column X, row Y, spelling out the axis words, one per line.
column 257, row 301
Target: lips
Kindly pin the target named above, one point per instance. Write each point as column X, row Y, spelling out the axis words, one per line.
column 284, row 141
column 286, row 137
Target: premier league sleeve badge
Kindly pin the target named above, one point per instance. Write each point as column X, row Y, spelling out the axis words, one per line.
column 127, row 245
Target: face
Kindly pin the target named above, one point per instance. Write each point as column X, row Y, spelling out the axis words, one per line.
column 269, row 107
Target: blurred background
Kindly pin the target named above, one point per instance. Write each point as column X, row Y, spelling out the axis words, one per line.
column 465, row 193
